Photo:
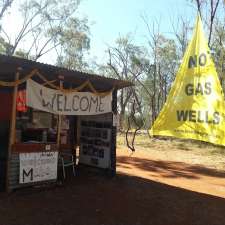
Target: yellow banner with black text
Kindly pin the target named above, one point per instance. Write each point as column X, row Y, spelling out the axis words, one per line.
column 195, row 107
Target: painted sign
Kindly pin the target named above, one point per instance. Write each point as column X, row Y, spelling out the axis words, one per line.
column 38, row 166
column 195, row 106
column 74, row 103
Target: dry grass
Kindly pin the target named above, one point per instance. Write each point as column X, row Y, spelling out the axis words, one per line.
column 188, row 151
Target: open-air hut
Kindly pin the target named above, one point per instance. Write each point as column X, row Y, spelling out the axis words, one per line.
column 46, row 110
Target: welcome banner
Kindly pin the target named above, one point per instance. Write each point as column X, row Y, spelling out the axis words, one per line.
column 57, row 102
column 195, row 107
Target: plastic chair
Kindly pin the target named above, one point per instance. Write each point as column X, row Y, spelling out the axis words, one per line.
column 68, row 160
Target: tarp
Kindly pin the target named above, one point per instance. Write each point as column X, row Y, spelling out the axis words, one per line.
column 195, row 107
column 73, row 103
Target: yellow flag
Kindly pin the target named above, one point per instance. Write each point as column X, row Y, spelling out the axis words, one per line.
column 195, row 107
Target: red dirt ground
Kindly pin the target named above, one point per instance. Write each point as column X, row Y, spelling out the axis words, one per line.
column 179, row 174
column 145, row 191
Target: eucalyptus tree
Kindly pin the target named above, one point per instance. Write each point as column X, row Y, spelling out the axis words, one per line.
column 4, row 6
column 127, row 61
column 211, row 8
column 46, row 26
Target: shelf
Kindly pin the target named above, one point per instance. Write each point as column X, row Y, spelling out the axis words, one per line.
column 34, row 147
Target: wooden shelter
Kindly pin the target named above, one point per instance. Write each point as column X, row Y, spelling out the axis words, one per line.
column 30, row 137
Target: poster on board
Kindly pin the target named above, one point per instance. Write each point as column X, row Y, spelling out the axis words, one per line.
column 38, row 166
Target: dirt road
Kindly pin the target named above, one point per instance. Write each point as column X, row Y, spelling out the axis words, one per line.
column 145, row 191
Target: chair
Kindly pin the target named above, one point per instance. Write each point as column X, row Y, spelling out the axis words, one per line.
column 67, row 160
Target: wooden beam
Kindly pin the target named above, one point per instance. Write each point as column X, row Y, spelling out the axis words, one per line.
column 12, row 134
column 59, row 123
column 51, row 82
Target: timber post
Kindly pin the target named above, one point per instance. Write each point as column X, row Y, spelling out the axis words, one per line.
column 113, row 137
column 59, row 118
column 12, row 133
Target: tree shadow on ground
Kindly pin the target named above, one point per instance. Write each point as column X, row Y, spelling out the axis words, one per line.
column 91, row 199
column 168, row 169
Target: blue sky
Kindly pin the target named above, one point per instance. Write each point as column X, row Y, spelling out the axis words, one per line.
column 110, row 19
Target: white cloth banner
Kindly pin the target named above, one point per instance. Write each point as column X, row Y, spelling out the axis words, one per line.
column 38, row 166
column 57, row 102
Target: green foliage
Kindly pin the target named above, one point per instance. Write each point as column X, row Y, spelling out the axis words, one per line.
column 5, row 47
column 49, row 25
column 74, row 40
column 218, row 51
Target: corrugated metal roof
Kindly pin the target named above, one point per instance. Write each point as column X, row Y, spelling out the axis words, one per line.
column 10, row 64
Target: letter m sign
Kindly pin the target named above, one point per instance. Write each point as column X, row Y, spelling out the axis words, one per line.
column 27, row 175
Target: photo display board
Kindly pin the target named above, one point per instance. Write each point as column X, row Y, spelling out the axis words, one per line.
column 95, row 140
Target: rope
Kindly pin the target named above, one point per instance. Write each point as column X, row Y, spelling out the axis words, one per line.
column 18, row 82
column 36, row 72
